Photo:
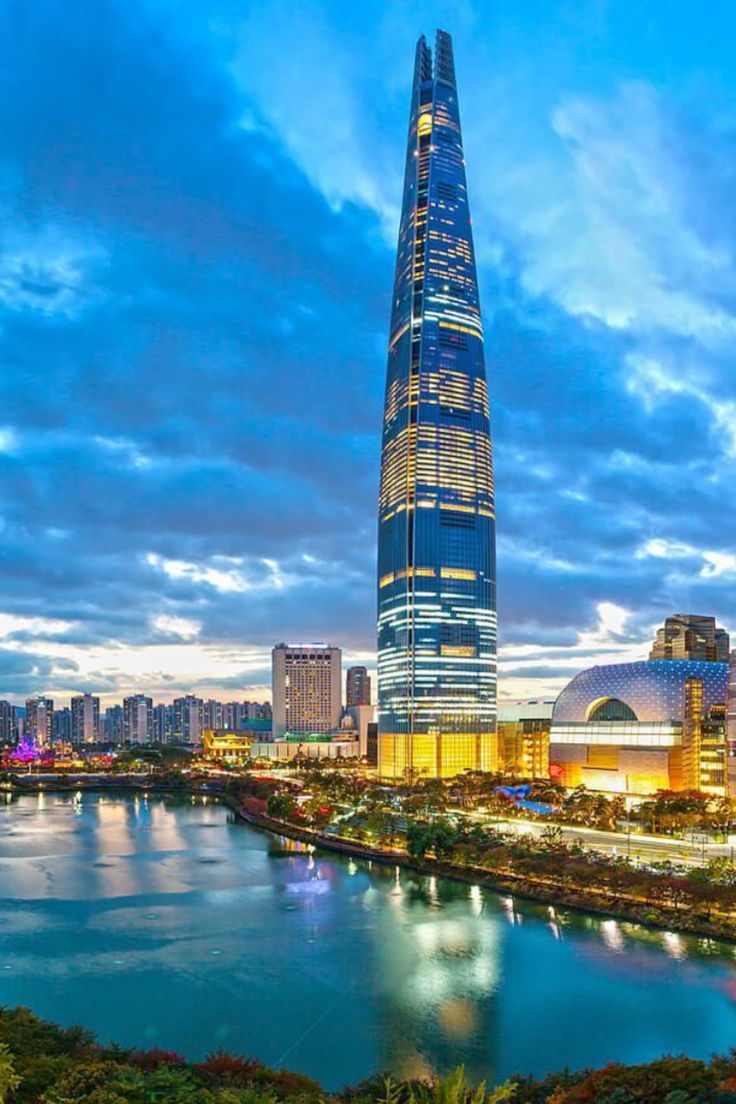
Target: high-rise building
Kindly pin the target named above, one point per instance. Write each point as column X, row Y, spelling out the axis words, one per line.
column 213, row 713
column 138, row 719
column 307, row 688
column 113, row 724
column 188, row 718
column 233, row 715
column 85, row 719
column 163, row 723
column 62, row 725
column 357, row 687
column 436, row 543
column 690, row 636
column 8, row 724
column 39, row 724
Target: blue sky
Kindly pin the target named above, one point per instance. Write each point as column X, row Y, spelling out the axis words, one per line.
column 199, row 208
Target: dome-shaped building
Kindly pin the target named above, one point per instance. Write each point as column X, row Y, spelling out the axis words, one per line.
column 636, row 728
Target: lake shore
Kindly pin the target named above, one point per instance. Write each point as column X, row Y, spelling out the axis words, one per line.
column 614, row 907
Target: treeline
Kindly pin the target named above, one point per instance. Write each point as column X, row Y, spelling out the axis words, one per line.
column 41, row 1063
column 548, row 857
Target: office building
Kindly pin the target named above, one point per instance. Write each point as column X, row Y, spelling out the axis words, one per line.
column 138, row 719
column 357, row 687
column 307, row 688
column 39, row 723
column 635, row 728
column 436, row 543
column 85, row 709
column 689, row 636
column 188, row 719
column 523, row 737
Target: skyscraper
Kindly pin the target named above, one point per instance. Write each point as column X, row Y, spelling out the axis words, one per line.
column 436, row 543
column 357, row 687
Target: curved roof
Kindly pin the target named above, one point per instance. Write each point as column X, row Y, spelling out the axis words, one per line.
column 654, row 689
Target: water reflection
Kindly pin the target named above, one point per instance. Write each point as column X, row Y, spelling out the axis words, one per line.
column 164, row 922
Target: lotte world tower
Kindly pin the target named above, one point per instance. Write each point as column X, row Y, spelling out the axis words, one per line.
column 436, row 542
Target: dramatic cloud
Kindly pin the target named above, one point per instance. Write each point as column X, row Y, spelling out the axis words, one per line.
column 199, row 203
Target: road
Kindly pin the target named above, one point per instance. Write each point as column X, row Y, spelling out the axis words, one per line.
column 642, row 848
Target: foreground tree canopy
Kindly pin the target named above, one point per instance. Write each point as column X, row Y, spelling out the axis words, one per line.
column 41, row 1063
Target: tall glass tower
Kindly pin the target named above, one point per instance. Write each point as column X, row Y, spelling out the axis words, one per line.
column 436, row 533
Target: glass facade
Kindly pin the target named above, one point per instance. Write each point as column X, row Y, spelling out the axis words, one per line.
column 653, row 690
column 639, row 727
column 436, row 543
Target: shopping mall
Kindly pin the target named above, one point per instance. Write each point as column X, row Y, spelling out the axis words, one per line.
column 665, row 723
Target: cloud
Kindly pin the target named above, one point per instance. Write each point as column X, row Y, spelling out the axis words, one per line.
column 195, row 277
column 184, row 627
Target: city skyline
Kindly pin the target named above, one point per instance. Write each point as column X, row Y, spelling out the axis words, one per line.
column 146, row 313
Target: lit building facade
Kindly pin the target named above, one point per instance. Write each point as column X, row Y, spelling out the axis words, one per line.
column 360, row 718
column 138, row 719
column 636, row 728
column 39, row 724
column 691, row 636
column 306, row 748
column 523, row 737
column 307, row 688
column 85, row 719
column 436, row 542
column 188, row 719
column 227, row 746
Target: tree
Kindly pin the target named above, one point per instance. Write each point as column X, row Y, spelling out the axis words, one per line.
column 281, row 806
column 9, row 1080
column 444, row 838
column 551, row 838
column 418, row 838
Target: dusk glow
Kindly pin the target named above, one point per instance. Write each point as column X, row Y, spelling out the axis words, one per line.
column 200, row 209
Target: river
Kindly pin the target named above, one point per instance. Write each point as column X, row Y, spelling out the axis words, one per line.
column 164, row 922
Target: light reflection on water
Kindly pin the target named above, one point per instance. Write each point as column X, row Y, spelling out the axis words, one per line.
column 162, row 922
